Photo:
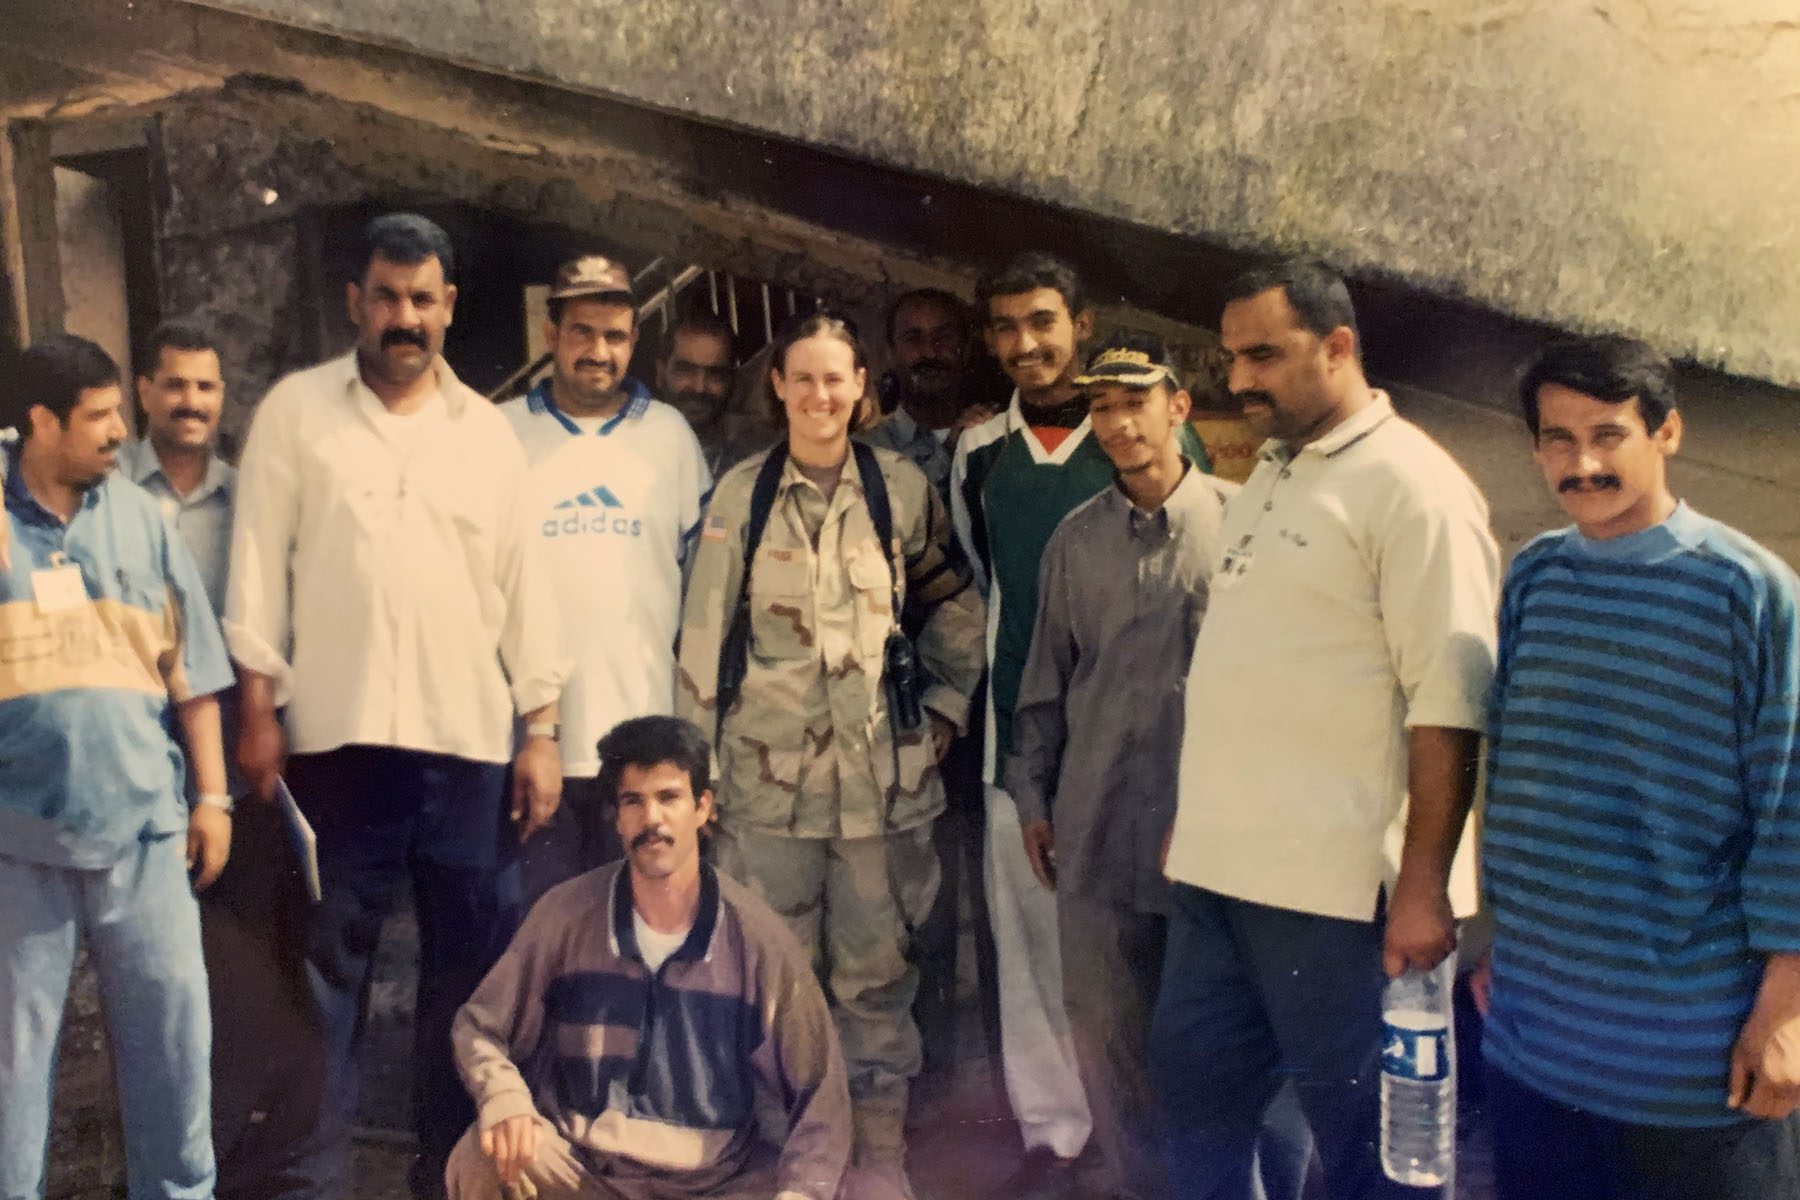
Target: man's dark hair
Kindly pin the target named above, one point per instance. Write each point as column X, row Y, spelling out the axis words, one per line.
column 647, row 742
column 407, row 239
column 173, row 335
column 1612, row 369
column 1028, row 272
column 54, row 370
column 701, row 321
column 556, row 306
column 931, row 296
column 1316, row 292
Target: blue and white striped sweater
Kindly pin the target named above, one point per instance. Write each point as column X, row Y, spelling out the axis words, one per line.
column 1641, row 849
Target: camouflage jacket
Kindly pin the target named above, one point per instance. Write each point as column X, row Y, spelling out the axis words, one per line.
column 807, row 749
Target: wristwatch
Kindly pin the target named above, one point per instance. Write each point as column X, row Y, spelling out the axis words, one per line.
column 216, row 800
column 549, row 729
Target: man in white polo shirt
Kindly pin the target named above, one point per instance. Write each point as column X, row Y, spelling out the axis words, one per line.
column 1340, row 670
column 383, row 589
column 616, row 485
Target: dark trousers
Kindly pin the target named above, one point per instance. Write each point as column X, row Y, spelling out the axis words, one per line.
column 959, row 835
column 267, row 1072
column 1546, row 1150
column 1251, row 997
column 1112, row 962
column 385, row 816
column 581, row 836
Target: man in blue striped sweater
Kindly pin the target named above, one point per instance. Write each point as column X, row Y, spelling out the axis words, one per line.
column 1642, row 845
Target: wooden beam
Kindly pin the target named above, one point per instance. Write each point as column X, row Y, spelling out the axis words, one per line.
column 34, row 197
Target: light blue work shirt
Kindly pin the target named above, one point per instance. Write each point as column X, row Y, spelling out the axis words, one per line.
column 203, row 516
column 88, row 764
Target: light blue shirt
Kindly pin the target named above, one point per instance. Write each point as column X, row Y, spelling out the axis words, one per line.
column 203, row 517
column 88, row 765
column 926, row 449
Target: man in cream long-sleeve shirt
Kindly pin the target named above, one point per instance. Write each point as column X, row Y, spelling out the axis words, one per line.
column 383, row 591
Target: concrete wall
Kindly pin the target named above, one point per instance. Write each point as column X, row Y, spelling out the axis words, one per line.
column 1609, row 165
column 91, row 250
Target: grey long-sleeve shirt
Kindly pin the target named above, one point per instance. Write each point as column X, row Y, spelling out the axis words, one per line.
column 1097, row 731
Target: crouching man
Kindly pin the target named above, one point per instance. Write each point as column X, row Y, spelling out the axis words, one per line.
column 653, row 1032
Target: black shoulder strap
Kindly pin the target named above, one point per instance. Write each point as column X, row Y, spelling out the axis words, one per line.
column 734, row 642
column 762, row 500
column 875, row 495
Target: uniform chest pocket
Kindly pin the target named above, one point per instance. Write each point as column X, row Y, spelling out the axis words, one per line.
column 781, row 606
column 868, row 575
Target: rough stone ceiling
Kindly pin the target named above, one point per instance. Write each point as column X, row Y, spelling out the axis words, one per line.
column 1596, row 166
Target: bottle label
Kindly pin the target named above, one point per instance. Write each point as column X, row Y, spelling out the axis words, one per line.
column 1410, row 1052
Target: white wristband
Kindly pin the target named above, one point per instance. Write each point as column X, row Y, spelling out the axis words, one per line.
column 215, row 800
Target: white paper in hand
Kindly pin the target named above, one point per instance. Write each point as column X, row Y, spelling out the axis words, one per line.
column 301, row 837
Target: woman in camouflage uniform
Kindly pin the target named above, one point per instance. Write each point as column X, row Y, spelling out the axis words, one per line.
column 825, row 797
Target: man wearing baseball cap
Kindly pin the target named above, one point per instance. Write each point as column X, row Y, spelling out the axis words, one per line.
column 1097, row 730
column 616, row 483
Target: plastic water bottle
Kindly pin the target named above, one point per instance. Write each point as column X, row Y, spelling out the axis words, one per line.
column 1418, row 1077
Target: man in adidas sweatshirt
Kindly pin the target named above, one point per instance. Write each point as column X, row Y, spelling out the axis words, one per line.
column 615, row 487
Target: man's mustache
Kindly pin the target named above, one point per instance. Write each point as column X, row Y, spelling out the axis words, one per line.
column 1253, row 397
column 700, row 401
column 186, row 414
column 583, row 363
column 1595, row 483
column 931, row 366
column 651, row 835
column 405, row 337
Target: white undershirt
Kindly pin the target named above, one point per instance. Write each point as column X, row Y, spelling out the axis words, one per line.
column 405, row 431
column 653, row 946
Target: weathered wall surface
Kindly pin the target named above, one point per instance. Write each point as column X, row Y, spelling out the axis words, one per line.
column 1624, row 164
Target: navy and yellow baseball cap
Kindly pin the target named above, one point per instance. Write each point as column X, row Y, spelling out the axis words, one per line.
column 1132, row 359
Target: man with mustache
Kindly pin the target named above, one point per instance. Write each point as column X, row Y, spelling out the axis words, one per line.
column 695, row 376
column 181, row 392
column 1097, row 729
column 931, row 338
column 263, row 1092
column 647, row 1014
column 1332, row 713
column 616, row 486
column 1014, row 478
column 111, row 647
column 1640, row 840
column 385, row 589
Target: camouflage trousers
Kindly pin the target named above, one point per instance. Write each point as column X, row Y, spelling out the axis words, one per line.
column 834, row 893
